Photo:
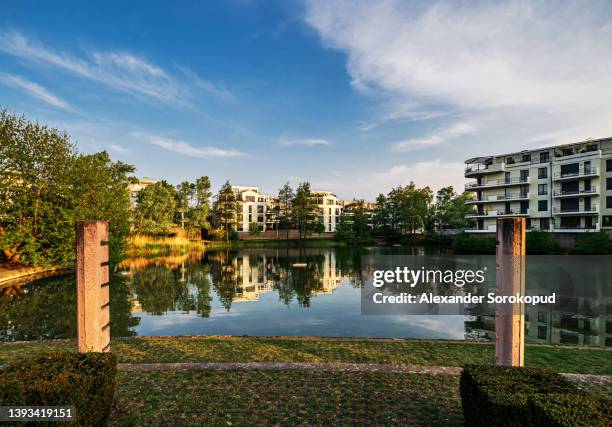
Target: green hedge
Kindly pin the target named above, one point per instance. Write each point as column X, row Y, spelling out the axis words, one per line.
column 464, row 244
column 507, row 396
column 85, row 381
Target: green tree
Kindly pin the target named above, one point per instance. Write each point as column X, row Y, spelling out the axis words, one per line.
column 226, row 208
column 46, row 185
column 282, row 211
column 414, row 206
column 450, row 209
column 305, row 211
column 361, row 226
column 380, row 218
column 155, row 208
column 184, row 194
column 200, row 209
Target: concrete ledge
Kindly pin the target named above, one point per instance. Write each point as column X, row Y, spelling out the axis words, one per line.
column 11, row 273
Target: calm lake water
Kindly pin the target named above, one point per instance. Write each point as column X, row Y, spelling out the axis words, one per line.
column 258, row 292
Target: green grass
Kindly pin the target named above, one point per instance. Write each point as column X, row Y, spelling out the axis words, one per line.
column 255, row 349
column 289, row 398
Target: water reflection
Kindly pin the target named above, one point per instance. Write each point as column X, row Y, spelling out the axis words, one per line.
column 262, row 292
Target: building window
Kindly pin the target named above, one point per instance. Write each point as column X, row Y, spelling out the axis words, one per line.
column 526, row 158
column 544, row 223
column 542, row 189
column 607, row 221
column 524, row 175
column 542, row 205
column 542, row 316
column 510, row 160
column 542, row 173
column 544, row 157
column 542, row 332
column 608, row 202
column 608, row 183
column 609, row 165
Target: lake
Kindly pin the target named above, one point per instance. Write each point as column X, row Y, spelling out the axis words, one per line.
column 260, row 292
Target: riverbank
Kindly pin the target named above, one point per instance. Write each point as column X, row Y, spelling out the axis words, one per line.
column 11, row 273
column 581, row 360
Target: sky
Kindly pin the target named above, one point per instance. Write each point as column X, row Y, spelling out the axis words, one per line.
column 355, row 97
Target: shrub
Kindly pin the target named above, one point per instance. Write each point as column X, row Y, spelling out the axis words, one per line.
column 541, row 242
column 83, row 380
column 593, row 244
column 581, row 409
column 508, row 396
column 480, row 245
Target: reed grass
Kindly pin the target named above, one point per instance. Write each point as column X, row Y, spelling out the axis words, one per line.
column 141, row 244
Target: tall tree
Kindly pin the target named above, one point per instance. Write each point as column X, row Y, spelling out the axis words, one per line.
column 450, row 209
column 184, row 194
column 283, row 208
column 415, row 204
column 46, row 185
column 305, row 211
column 200, row 210
column 226, row 208
column 155, row 208
column 380, row 218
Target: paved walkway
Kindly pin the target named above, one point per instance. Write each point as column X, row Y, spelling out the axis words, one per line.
column 346, row 367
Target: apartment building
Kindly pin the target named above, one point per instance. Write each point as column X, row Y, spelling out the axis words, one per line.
column 254, row 207
column 563, row 189
column 330, row 209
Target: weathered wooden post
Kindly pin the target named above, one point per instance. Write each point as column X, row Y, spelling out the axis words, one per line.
column 93, row 311
column 510, row 280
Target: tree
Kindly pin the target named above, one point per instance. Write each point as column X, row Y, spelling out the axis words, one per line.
column 305, row 211
column 200, row 210
column 46, row 185
column 361, row 227
column 184, row 193
column 226, row 208
column 255, row 228
column 282, row 210
column 380, row 218
column 414, row 206
column 155, row 208
column 450, row 209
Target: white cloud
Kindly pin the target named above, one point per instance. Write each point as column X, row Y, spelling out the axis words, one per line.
column 439, row 137
column 435, row 174
column 309, row 142
column 188, row 149
column 118, row 149
column 122, row 71
column 536, row 71
column 35, row 90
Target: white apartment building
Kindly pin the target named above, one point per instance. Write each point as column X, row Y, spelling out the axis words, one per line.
column 254, row 208
column 563, row 189
column 330, row 209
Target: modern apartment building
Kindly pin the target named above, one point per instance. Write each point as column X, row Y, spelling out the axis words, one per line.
column 254, row 207
column 563, row 189
column 330, row 209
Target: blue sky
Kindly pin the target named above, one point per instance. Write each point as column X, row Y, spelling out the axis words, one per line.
column 355, row 97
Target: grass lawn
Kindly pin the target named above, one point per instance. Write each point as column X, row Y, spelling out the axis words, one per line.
column 255, row 349
column 286, row 398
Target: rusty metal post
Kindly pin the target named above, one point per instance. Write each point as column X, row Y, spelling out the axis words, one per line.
column 93, row 311
column 510, row 280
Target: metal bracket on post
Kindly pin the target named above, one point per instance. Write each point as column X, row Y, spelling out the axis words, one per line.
column 93, row 296
column 510, row 280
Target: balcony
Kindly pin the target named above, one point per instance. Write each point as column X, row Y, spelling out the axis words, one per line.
column 575, row 228
column 489, row 229
column 499, row 198
column 575, row 193
column 497, row 183
column 580, row 210
column 581, row 173
column 479, row 169
column 496, row 214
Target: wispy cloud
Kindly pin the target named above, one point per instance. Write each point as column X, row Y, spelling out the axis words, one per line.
column 439, row 137
column 121, row 71
column 186, row 148
column 503, row 65
column 309, row 142
column 35, row 90
column 435, row 174
column 118, row 149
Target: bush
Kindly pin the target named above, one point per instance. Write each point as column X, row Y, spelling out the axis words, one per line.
column 478, row 245
column 508, row 396
column 593, row 244
column 541, row 242
column 581, row 409
column 83, row 380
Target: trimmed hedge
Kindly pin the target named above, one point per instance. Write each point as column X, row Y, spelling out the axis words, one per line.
column 508, row 396
column 83, row 380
